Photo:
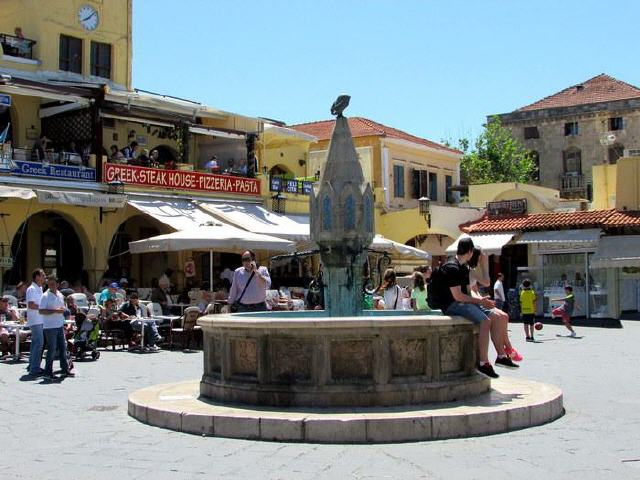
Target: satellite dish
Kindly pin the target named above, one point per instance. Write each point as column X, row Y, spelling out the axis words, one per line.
column 607, row 138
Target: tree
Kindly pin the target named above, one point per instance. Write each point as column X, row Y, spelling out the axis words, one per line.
column 496, row 157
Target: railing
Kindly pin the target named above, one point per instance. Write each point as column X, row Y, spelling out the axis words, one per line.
column 573, row 185
column 16, row 46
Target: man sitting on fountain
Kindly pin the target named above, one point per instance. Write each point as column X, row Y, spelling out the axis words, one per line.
column 456, row 300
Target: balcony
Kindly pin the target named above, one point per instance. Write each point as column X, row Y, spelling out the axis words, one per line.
column 573, row 185
column 16, row 46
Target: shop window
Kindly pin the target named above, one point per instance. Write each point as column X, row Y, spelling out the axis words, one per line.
column 571, row 129
column 535, row 156
column 101, row 59
column 616, row 123
column 531, row 132
column 70, row 54
column 433, row 187
column 448, row 185
column 614, row 153
column 572, row 161
column 398, row 181
column 419, row 183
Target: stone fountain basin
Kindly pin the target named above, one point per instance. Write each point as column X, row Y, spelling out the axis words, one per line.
column 305, row 359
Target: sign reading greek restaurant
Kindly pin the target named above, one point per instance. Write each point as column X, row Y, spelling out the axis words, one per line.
column 50, row 170
column 505, row 208
column 180, row 180
column 86, row 199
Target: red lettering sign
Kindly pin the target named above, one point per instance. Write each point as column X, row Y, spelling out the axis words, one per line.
column 180, row 180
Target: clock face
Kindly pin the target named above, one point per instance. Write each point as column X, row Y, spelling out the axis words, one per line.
column 88, row 17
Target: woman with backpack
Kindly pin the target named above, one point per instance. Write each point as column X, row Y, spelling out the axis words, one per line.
column 391, row 291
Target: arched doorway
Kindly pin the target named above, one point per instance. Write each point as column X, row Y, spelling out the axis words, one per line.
column 139, row 270
column 166, row 154
column 48, row 240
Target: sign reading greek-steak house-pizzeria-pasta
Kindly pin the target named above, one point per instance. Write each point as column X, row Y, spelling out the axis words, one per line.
column 180, row 179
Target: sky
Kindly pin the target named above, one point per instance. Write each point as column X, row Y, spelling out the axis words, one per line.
column 435, row 69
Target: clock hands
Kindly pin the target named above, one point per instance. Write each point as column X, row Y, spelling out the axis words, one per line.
column 92, row 14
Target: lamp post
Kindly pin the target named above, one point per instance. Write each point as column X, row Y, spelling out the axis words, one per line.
column 278, row 203
column 425, row 209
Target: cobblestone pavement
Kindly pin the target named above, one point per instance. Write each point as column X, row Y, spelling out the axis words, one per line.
column 79, row 428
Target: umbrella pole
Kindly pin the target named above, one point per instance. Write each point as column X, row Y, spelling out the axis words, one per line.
column 211, row 270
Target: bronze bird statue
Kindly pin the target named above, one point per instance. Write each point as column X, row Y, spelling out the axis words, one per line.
column 340, row 104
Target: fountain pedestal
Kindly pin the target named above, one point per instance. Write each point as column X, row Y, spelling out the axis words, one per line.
column 306, row 359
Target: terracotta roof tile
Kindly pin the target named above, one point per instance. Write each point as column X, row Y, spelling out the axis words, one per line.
column 601, row 88
column 623, row 219
column 542, row 221
column 363, row 127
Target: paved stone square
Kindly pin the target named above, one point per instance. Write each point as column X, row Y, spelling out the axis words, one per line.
column 79, row 428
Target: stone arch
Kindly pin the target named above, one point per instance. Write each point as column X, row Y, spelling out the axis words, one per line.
column 280, row 170
column 166, row 153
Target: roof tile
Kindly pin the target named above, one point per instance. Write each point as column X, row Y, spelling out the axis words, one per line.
column 601, row 88
column 542, row 221
column 363, row 127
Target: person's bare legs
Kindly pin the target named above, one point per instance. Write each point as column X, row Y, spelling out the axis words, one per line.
column 499, row 337
column 483, row 341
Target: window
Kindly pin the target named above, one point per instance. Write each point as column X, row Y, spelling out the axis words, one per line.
column 350, row 214
column 616, row 123
column 326, row 213
column 433, row 187
column 70, row 54
column 572, row 161
column 419, row 182
column 531, row 132
column 535, row 156
column 615, row 152
column 448, row 185
column 398, row 181
column 570, row 129
column 101, row 59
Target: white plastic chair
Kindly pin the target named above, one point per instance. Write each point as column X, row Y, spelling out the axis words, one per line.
column 80, row 299
column 13, row 301
column 154, row 309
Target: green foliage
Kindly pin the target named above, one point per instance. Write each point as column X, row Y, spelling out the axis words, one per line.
column 496, row 157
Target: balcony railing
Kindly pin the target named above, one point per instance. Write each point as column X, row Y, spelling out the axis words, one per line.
column 16, row 46
column 573, row 185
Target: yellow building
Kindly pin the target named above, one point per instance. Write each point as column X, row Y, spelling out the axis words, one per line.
column 65, row 73
column 617, row 186
column 402, row 169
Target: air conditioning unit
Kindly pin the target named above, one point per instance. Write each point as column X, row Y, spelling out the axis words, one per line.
column 632, row 152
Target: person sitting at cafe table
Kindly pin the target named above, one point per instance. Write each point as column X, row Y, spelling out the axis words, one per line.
column 7, row 314
column 131, row 150
column 131, row 310
column 116, row 155
column 154, row 159
column 161, row 296
column 108, row 293
column 39, row 147
column 250, row 284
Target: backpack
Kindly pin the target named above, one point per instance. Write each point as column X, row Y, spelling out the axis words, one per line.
column 437, row 287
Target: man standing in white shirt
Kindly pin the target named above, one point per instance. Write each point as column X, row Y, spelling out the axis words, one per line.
column 34, row 322
column 498, row 293
column 52, row 311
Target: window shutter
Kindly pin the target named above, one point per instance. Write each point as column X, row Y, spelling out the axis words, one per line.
column 415, row 183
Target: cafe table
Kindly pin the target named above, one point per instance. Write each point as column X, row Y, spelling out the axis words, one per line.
column 15, row 329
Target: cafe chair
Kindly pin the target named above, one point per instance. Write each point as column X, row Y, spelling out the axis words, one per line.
column 109, row 334
column 80, row 299
column 188, row 328
column 13, row 301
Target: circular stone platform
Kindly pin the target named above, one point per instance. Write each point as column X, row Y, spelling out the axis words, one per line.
column 511, row 404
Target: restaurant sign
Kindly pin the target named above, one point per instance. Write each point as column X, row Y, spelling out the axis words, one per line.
column 279, row 184
column 180, row 179
column 85, row 199
column 49, row 170
column 507, row 208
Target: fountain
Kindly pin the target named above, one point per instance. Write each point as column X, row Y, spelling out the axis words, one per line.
column 343, row 374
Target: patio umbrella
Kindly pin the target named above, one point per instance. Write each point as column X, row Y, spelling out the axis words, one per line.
column 211, row 237
column 397, row 250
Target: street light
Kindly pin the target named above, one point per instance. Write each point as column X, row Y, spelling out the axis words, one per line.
column 425, row 209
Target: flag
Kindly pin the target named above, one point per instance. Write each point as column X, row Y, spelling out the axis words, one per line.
column 3, row 135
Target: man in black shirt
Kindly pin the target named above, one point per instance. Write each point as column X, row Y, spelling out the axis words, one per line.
column 457, row 301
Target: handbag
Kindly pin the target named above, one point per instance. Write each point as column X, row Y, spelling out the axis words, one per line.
column 235, row 305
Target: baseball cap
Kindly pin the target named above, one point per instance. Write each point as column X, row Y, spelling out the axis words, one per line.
column 123, row 281
column 114, row 285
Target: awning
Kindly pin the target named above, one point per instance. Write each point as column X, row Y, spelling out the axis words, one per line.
column 587, row 235
column 134, row 119
column 176, row 213
column 15, row 192
column 397, row 250
column 257, row 219
column 622, row 251
column 489, row 243
column 85, row 199
column 216, row 133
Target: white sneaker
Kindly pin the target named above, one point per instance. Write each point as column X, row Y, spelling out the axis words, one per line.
column 573, row 334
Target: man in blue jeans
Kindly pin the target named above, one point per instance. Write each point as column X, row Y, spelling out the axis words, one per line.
column 458, row 301
column 52, row 311
column 34, row 322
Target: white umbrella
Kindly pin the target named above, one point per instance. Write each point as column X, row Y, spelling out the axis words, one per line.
column 398, row 250
column 218, row 237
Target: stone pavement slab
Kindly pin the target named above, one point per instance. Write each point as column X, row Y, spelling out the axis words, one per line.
column 80, row 428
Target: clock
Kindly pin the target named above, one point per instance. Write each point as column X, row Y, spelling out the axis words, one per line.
column 88, row 17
